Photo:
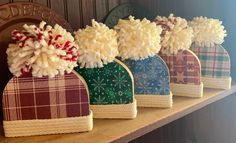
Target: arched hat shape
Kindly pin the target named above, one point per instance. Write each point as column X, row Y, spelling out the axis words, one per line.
column 111, row 89
column 185, row 73
column 38, row 106
column 152, row 82
column 215, row 62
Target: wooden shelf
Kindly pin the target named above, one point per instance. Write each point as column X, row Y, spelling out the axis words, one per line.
column 148, row 119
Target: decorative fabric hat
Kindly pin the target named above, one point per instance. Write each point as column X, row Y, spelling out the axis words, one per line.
column 183, row 64
column 110, row 82
column 44, row 96
column 139, row 43
column 176, row 34
column 209, row 34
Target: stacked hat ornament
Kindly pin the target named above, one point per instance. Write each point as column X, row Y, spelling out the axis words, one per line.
column 110, row 82
column 208, row 36
column 184, row 65
column 44, row 96
column 139, row 43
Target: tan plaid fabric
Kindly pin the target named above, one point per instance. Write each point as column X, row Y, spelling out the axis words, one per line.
column 215, row 60
column 27, row 98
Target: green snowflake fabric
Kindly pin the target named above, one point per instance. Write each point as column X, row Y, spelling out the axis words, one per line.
column 110, row 84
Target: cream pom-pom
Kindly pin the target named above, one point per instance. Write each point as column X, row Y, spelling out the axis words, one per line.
column 138, row 39
column 98, row 45
column 207, row 31
column 42, row 51
column 176, row 34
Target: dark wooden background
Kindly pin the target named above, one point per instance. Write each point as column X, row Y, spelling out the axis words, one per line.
column 80, row 12
column 215, row 123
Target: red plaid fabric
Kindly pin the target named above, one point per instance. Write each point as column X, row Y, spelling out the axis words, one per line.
column 27, row 98
column 184, row 67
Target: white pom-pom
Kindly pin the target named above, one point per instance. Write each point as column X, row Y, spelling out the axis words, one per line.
column 43, row 52
column 176, row 34
column 207, row 31
column 98, row 45
column 138, row 39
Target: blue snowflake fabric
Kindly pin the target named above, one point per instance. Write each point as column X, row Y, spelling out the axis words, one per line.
column 151, row 76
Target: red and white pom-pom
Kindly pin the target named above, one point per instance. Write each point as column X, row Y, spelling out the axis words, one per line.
column 176, row 34
column 43, row 51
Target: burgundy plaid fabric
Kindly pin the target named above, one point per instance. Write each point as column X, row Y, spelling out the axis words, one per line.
column 27, row 98
column 184, row 67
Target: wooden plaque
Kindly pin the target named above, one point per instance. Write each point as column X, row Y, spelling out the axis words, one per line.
column 124, row 11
